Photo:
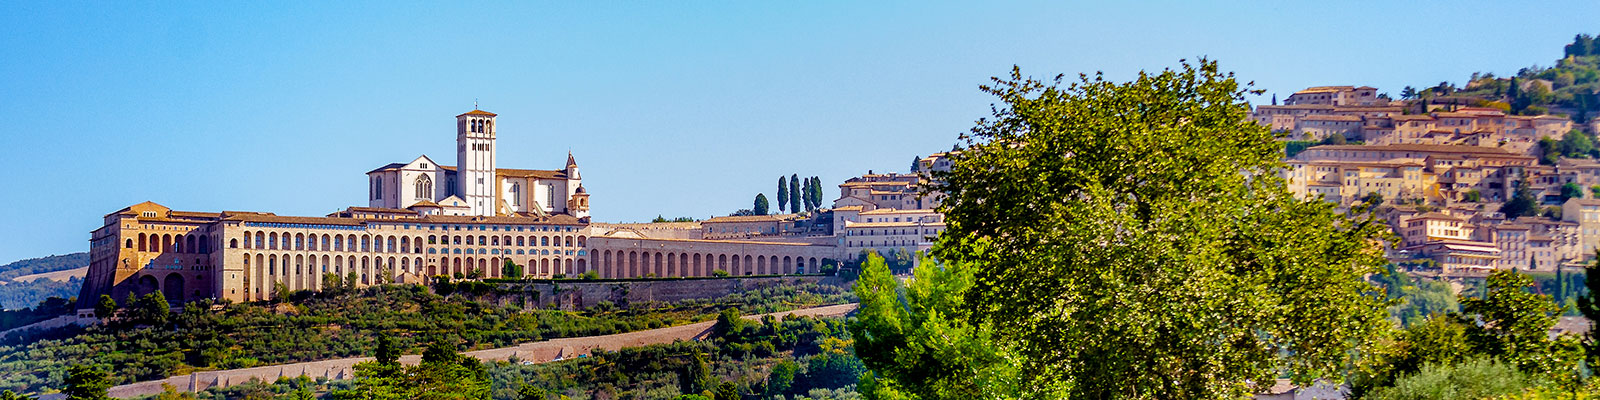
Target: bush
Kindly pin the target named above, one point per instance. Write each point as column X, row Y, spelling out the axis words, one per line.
column 1472, row 379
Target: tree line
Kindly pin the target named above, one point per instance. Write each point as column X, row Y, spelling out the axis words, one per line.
column 795, row 195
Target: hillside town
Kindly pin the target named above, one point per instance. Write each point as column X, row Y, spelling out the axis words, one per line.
column 1443, row 180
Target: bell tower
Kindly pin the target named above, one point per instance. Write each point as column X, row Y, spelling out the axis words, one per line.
column 475, row 161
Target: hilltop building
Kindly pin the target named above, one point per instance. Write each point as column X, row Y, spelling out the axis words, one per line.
column 422, row 219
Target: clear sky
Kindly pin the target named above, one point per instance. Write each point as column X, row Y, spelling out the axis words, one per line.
column 680, row 108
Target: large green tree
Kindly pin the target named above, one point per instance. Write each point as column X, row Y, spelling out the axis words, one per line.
column 816, row 192
column 783, row 194
column 1120, row 258
column 1522, row 203
column 794, row 193
column 919, row 341
column 106, row 307
column 760, row 207
column 85, row 382
column 1513, row 325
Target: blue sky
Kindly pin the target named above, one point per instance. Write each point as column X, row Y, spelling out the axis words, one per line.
column 672, row 108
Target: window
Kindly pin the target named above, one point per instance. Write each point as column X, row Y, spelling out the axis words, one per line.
column 377, row 188
column 424, row 187
column 516, row 194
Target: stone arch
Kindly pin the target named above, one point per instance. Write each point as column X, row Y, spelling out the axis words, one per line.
column 661, row 270
column 261, row 277
column 582, row 242
column 142, row 246
column 566, row 267
column 633, row 264
column 172, row 288
column 749, row 268
column 761, row 265
column 297, row 279
column 811, row 266
column 232, row 243
column 722, row 262
column 583, row 267
column 147, row 285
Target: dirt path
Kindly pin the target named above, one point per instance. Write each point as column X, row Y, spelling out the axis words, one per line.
column 537, row 352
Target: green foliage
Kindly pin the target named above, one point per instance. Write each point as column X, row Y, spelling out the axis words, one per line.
column 1475, row 379
column 41, row 265
column 1439, row 339
column 512, row 270
column 760, row 207
column 1515, row 326
column 918, row 340
column 151, row 309
column 19, row 295
column 1589, row 307
column 1414, row 300
column 1292, row 148
column 106, row 307
column 85, row 382
column 332, row 325
column 1472, row 195
column 442, row 374
column 659, row 219
column 49, row 308
column 1522, row 203
column 795, row 204
column 783, row 374
column 783, row 194
column 1120, row 258
column 750, row 363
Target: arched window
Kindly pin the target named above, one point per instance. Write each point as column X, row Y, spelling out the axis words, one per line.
column 232, row 243
column 516, row 194
column 424, row 187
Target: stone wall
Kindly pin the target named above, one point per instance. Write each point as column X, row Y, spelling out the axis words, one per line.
column 577, row 295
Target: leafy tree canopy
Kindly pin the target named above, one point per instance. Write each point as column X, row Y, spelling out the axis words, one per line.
column 1120, row 258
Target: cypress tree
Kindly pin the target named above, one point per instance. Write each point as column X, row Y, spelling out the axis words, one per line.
column 794, row 193
column 783, row 194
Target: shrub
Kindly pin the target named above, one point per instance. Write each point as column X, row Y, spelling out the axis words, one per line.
column 1472, row 379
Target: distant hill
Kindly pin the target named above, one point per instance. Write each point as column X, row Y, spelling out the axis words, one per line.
column 29, row 292
column 1570, row 87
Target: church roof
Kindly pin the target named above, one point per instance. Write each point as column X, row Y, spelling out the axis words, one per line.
column 390, row 167
column 478, row 112
column 570, row 161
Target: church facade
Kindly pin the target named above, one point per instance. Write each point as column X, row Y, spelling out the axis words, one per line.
column 475, row 185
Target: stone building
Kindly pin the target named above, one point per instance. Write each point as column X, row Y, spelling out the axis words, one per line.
column 423, row 219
